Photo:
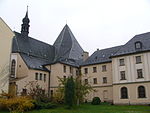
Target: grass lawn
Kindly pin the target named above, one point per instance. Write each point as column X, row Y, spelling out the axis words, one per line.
column 87, row 108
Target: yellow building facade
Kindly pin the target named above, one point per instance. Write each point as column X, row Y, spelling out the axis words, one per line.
column 6, row 36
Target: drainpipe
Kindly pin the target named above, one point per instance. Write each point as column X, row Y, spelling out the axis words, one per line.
column 49, row 75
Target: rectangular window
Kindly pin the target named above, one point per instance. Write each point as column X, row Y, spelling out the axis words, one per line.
column 103, row 68
column 122, row 75
column 86, row 81
column 77, row 72
column 36, row 76
column 138, row 59
column 64, row 69
column 95, row 80
column 104, row 79
column 44, row 77
column 85, row 70
column 94, row 69
column 40, row 76
column 139, row 73
column 121, row 61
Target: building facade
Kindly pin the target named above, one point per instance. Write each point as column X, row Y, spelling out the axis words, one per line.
column 6, row 35
column 119, row 74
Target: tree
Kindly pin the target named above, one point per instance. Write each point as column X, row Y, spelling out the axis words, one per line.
column 70, row 92
column 81, row 89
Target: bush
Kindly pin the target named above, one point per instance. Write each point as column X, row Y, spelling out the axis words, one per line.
column 17, row 104
column 42, row 105
column 96, row 101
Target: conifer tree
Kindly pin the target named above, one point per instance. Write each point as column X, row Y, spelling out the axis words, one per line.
column 70, row 92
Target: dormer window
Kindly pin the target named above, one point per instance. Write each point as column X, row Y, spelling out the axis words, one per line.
column 138, row 45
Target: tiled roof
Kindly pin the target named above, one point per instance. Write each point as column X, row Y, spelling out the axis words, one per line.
column 101, row 56
column 34, row 52
column 67, row 46
column 129, row 47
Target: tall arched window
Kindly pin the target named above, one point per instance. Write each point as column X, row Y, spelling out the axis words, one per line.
column 141, row 92
column 13, row 65
column 124, row 93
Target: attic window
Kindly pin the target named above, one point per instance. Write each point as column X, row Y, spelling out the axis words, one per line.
column 96, row 57
column 138, row 45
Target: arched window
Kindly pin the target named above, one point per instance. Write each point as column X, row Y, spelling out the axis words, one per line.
column 124, row 93
column 141, row 92
column 13, row 65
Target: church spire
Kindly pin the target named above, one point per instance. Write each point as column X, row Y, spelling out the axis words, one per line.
column 25, row 25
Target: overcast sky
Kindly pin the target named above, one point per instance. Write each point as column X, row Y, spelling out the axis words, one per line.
column 94, row 23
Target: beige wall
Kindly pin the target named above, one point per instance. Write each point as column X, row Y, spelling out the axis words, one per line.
column 57, row 71
column 25, row 75
column 132, row 81
column 131, row 67
column 132, row 93
column 6, row 36
column 21, row 67
column 103, row 89
column 31, row 77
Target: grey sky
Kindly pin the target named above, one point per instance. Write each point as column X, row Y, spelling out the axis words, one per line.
column 95, row 23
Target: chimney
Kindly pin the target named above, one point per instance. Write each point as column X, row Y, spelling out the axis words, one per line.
column 85, row 55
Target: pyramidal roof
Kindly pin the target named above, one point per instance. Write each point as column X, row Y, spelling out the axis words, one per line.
column 67, row 46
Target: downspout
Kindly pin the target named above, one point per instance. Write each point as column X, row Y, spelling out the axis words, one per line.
column 49, row 75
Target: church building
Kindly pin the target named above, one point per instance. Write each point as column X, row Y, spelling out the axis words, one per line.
column 120, row 74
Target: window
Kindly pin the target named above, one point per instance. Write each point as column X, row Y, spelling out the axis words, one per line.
column 24, row 92
column 77, row 72
column 138, row 59
column 94, row 69
column 51, row 94
column 36, row 76
column 104, row 79
column 43, row 92
column 64, row 77
column 71, row 69
column 122, row 75
column 86, row 81
column 85, row 70
column 124, row 93
column 40, row 76
column 13, row 68
column 138, row 45
column 64, row 69
column 121, row 62
column 44, row 77
column 139, row 73
column 95, row 80
column 141, row 92
column 103, row 68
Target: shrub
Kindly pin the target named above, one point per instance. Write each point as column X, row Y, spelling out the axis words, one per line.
column 42, row 105
column 96, row 101
column 17, row 104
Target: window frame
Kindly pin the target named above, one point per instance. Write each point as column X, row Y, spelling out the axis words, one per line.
column 122, row 75
column 124, row 93
column 141, row 92
column 104, row 68
column 139, row 73
column 94, row 69
column 122, row 62
column 137, row 58
column 104, row 80
column 94, row 80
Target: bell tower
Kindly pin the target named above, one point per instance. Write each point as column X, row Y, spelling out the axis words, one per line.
column 25, row 26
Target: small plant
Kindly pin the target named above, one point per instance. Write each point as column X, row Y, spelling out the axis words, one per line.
column 96, row 101
column 17, row 104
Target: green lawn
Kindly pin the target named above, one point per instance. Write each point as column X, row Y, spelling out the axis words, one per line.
column 87, row 108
